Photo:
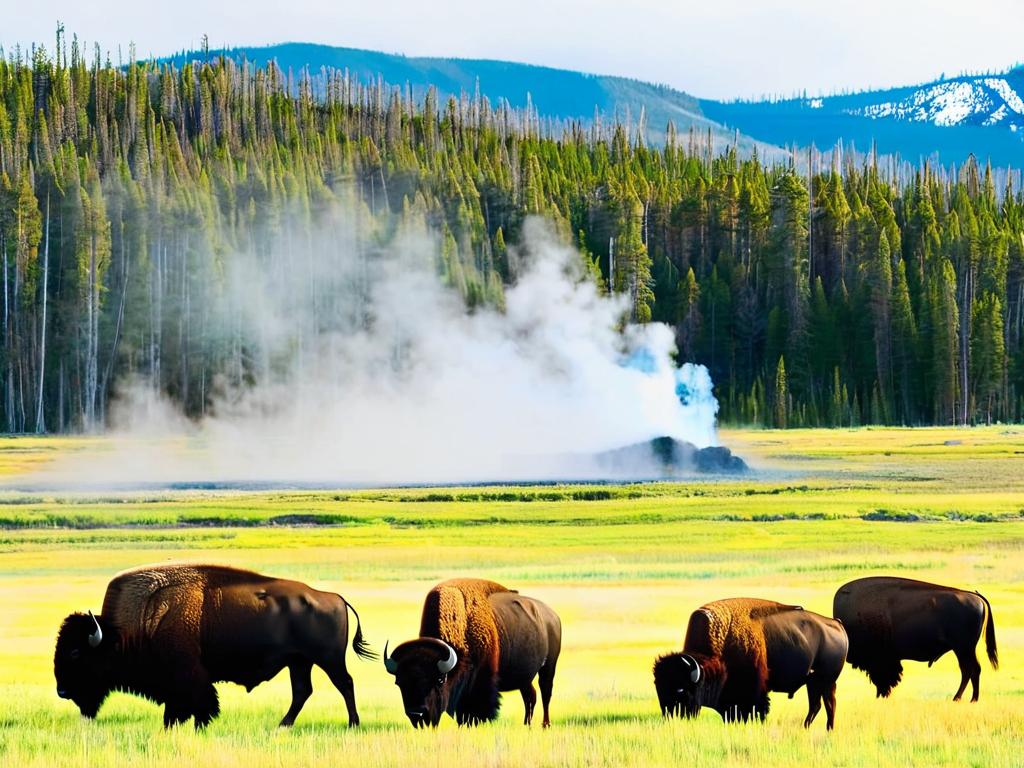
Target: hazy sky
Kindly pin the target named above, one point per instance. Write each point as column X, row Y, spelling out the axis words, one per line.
column 714, row 48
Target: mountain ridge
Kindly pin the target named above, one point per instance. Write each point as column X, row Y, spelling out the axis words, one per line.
column 944, row 120
column 556, row 93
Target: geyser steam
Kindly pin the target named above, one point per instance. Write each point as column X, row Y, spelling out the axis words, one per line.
column 368, row 369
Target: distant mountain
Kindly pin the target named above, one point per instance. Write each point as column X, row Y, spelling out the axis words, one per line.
column 947, row 119
column 951, row 118
column 555, row 93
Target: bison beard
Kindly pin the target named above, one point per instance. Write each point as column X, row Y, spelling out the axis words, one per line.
column 870, row 652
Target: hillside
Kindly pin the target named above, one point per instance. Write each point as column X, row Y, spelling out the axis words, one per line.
column 555, row 93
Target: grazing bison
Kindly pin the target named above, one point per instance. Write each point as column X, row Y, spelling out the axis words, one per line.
column 169, row 632
column 477, row 638
column 890, row 619
column 738, row 650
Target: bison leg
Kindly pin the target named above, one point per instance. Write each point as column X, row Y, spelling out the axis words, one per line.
column 529, row 702
column 198, row 700
column 830, row 706
column 205, row 704
column 302, row 689
column 175, row 713
column 813, row 702
column 481, row 700
column 970, row 671
column 546, row 678
column 744, row 695
column 342, row 680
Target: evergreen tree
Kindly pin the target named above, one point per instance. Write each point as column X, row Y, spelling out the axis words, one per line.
column 689, row 315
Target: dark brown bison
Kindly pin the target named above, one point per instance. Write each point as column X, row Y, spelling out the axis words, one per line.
column 890, row 619
column 738, row 650
column 169, row 632
column 477, row 638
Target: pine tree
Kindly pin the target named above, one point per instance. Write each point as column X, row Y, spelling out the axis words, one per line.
column 904, row 352
column 688, row 318
column 987, row 354
column 945, row 328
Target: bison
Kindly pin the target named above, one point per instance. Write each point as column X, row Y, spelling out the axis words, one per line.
column 738, row 650
column 169, row 632
column 477, row 638
column 890, row 619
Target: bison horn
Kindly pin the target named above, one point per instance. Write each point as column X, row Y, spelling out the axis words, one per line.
column 695, row 672
column 96, row 637
column 389, row 664
column 446, row 666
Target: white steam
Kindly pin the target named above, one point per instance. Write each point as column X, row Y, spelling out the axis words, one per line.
column 368, row 370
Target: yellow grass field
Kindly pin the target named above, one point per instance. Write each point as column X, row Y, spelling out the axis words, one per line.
column 623, row 565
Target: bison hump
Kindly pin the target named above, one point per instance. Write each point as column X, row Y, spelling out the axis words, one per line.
column 149, row 601
column 459, row 612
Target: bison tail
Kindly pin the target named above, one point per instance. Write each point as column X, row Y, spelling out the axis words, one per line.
column 990, row 634
column 359, row 645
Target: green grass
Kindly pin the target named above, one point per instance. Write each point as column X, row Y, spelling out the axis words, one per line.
column 623, row 565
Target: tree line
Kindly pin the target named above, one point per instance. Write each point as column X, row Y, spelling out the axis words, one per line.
column 830, row 289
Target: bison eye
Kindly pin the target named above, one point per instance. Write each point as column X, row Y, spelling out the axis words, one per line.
column 75, row 654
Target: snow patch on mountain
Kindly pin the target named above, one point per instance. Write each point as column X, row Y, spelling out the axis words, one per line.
column 941, row 104
column 1006, row 92
column 996, row 116
column 985, row 101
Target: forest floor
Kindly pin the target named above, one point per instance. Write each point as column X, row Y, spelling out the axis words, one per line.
column 624, row 565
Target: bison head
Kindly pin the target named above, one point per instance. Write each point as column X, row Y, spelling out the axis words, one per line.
column 421, row 668
column 81, row 663
column 678, row 678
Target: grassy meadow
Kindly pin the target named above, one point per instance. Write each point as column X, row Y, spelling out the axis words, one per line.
column 624, row 565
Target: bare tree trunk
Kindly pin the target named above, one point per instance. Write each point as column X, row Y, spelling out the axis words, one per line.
column 60, row 397
column 40, row 423
column 92, row 340
column 183, row 324
column 9, row 387
column 156, row 323
column 120, row 316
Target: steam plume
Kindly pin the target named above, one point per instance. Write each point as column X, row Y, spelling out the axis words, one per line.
column 369, row 370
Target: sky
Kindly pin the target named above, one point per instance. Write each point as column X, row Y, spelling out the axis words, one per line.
column 713, row 49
